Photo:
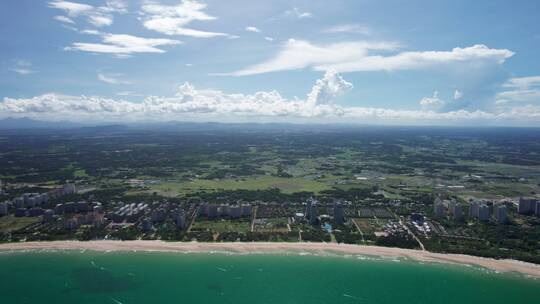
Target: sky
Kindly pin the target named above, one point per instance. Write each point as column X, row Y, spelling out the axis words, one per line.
column 398, row 62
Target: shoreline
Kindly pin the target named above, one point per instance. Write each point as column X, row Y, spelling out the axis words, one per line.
column 503, row 266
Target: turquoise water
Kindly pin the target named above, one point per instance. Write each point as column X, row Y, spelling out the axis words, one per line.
column 130, row 278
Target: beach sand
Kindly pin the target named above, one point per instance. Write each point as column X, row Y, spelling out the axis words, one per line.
column 528, row 269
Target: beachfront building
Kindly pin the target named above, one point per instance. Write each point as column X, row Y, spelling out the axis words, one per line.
column 339, row 214
column 311, row 212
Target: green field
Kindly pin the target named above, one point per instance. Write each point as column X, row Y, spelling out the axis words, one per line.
column 286, row 185
column 221, row 226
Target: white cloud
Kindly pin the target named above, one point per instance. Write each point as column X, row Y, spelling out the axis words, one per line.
column 356, row 57
column 64, row 19
column 23, row 67
column 112, row 79
column 73, row 9
column 97, row 16
column 298, row 13
column 349, row 28
column 432, row 103
column 520, row 90
column 121, row 44
column 100, row 20
column 115, row 6
column 522, row 82
column 253, row 29
column 190, row 103
column 173, row 19
column 268, row 38
column 326, row 90
column 457, row 94
column 299, row 54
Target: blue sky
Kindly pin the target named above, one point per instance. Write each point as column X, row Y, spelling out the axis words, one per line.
column 365, row 61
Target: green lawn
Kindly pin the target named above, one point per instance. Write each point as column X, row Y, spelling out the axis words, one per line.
column 11, row 223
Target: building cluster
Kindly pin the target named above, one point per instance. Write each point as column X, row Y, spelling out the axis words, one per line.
column 442, row 209
column 160, row 215
column 225, row 210
column 529, row 206
column 127, row 212
column 482, row 211
column 32, row 204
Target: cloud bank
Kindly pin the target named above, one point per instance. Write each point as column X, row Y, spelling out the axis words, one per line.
column 189, row 103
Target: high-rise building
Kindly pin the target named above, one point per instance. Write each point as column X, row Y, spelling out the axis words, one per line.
column 483, row 212
column 537, row 208
column 339, row 214
column 246, row 210
column 474, row 209
column 457, row 212
column 527, row 205
column 439, row 209
column 311, row 211
column 179, row 217
column 501, row 214
column 3, row 209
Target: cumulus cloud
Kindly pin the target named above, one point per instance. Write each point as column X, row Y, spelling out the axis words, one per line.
column 112, row 79
column 520, row 90
column 122, row 44
column 190, row 103
column 432, row 103
column 173, row 19
column 268, row 38
column 357, row 57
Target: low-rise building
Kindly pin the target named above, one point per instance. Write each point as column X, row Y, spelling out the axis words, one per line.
column 48, row 215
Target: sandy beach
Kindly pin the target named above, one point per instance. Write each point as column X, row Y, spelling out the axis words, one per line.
column 294, row 248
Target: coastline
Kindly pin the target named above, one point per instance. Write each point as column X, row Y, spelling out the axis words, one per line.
column 524, row 268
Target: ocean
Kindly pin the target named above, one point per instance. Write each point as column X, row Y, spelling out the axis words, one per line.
column 142, row 277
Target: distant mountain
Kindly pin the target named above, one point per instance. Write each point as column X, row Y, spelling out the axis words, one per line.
column 28, row 123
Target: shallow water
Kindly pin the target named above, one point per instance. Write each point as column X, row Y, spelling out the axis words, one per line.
column 128, row 278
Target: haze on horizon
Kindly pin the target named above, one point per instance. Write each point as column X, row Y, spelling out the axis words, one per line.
column 370, row 62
